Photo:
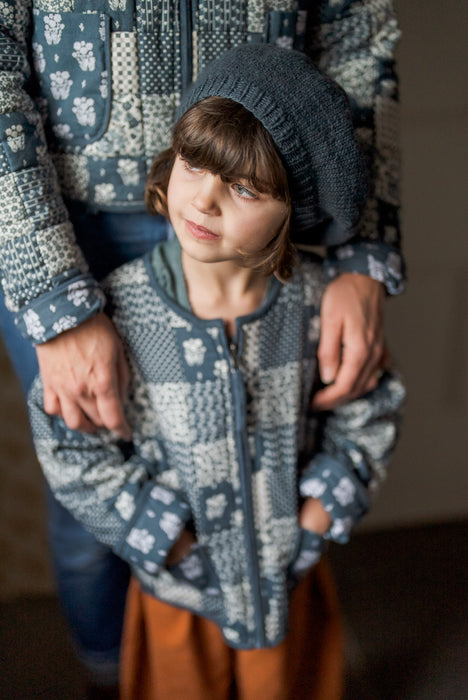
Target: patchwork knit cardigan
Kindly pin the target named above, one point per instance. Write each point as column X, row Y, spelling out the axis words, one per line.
column 223, row 440
column 85, row 116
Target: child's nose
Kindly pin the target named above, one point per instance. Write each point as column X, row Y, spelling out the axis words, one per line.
column 206, row 198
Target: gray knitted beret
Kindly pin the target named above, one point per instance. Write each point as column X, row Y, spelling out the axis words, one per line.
column 308, row 117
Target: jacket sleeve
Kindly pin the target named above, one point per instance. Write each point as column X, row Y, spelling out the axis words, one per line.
column 355, row 443
column 118, row 497
column 44, row 276
column 354, row 42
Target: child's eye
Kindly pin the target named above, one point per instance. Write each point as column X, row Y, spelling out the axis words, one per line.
column 242, row 191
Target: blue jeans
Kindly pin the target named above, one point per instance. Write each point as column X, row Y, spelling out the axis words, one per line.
column 91, row 580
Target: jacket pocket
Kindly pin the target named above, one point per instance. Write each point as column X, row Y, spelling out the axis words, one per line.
column 71, row 53
column 307, row 552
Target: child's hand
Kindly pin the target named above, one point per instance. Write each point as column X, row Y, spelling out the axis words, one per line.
column 313, row 516
column 181, row 548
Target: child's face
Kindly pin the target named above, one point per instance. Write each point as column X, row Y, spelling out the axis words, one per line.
column 217, row 221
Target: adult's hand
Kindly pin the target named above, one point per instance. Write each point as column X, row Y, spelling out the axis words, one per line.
column 351, row 348
column 85, row 377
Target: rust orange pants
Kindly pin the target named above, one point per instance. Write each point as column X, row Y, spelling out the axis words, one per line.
column 171, row 654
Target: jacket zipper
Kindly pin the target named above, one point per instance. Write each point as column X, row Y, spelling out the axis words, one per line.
column 238, row 392
column 186, row 43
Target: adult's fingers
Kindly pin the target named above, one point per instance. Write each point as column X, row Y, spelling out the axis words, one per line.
column 354, row 378
column 371, row 369
column 109, row 406
column 329, row 350
column 74, row 416
column 344, row 386
column 51, row 402
column 123, row 375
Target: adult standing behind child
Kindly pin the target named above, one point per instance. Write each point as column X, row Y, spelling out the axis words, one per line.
column 232, row 485
column 87, row 98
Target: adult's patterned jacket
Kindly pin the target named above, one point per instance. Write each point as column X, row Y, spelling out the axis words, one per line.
column 88, row 93
column 223, row 440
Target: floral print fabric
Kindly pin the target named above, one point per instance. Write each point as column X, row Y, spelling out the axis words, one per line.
column 71, row 55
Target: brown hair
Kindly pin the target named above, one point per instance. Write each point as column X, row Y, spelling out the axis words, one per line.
column 220, row 135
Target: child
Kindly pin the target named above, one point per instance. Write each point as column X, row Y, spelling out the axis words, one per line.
column 225, row 498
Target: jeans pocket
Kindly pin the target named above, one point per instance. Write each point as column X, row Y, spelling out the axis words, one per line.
column 71, row 54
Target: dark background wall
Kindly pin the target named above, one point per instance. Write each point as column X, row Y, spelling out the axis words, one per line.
column 428, row 326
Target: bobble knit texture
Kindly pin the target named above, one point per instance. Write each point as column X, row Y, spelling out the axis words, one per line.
column 308, row 117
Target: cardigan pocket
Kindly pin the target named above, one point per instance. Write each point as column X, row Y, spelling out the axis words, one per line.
column 71, row 55
column 307, row 552
column 196, row 569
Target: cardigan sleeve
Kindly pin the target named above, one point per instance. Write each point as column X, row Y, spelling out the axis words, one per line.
column 116, row 493
column 354, row 42
column 353, row 449
column 44, row 275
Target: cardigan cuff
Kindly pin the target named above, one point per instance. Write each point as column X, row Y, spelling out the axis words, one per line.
column 342, row 495
column 155, row 528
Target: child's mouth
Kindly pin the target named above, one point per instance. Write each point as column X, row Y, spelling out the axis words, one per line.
column 200, row 232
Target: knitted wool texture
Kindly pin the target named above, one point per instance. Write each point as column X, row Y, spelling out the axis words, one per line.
column 308, row 117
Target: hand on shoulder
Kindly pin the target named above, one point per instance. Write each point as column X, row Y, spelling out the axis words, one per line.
column 85, row 377
column 351, row 348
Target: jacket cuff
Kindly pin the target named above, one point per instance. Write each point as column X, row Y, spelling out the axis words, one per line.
column 74, row 298
column 377, row 260
column 344, row 498
column 156, row 527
